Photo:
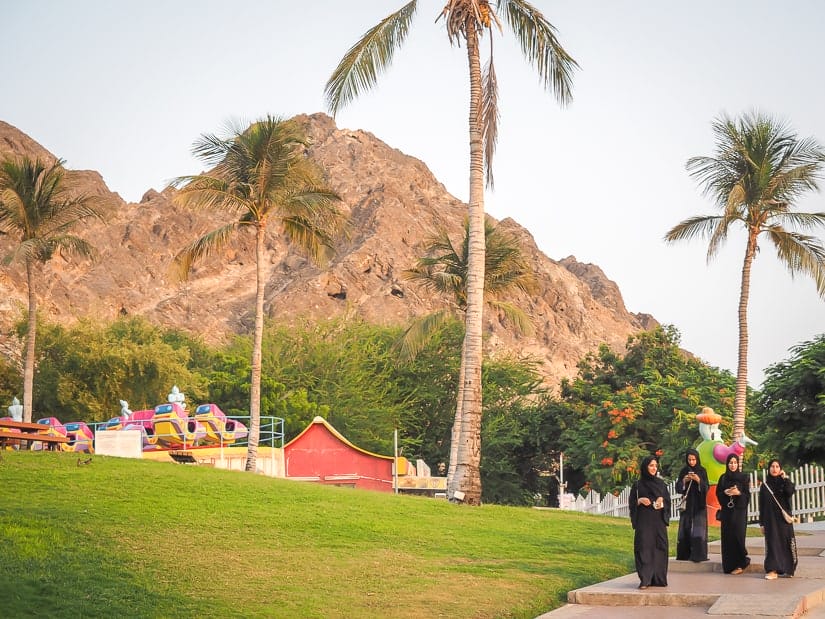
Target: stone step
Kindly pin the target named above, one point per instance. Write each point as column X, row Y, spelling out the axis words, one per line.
column 701, row 589
column 809, row 566
column 703, row 586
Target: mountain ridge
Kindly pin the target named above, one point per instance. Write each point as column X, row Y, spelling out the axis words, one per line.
column 394, row 204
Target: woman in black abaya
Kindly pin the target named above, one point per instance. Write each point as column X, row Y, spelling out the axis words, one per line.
column 733, row 492
column 692, row 484
column 649, row 515
column 780, row 543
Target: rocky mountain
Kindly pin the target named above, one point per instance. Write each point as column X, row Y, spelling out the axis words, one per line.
column 394, row 204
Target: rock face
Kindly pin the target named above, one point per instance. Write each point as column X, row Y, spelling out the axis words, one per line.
column 394, row 206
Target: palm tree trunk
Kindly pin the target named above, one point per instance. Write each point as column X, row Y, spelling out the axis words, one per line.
column 257, row 344
column 459, row 402
column 468, row 455
column 740, row 398
column 28, row 366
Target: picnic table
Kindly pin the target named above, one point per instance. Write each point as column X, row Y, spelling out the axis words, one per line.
column 19, row 432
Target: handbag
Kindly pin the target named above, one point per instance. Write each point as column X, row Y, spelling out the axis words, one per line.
column 788, row 518
column 683, row 501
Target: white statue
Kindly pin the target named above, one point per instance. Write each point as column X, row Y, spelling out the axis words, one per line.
column 177, row 396
column 124, row 409
column 16, row 410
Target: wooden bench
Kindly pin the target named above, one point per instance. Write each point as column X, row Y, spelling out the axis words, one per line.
column 19, row 432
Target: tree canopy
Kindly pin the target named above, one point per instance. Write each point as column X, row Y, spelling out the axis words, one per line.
column 621, row 408
column 789, row 414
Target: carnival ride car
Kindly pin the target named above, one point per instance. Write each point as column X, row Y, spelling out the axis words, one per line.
column 220, row 429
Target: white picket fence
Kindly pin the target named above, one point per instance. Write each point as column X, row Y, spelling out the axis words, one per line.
column 808, row 500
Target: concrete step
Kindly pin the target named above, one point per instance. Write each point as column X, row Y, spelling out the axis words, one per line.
column 808, row 567
column 806, row 545
column 701, row 589
column 696, row 589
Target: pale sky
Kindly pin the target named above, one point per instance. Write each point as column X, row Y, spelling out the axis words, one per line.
column 124, row 88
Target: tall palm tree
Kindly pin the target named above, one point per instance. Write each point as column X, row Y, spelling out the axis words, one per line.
column 760, row 168
column 466, row 21
column 39, row 207
column 444, row 271
column 261, row 175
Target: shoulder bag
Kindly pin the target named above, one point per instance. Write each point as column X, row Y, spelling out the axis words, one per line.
column 683, row 501
column 788, row 518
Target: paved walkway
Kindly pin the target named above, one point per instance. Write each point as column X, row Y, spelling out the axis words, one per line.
column 701, row 589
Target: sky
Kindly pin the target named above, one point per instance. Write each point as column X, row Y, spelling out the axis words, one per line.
column 125, row 88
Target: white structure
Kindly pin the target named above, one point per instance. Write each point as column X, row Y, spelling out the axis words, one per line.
column 16, row 410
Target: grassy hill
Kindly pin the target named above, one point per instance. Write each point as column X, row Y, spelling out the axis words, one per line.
column 135, row 538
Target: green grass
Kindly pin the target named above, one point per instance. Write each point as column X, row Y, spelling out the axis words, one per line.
column 136, row 538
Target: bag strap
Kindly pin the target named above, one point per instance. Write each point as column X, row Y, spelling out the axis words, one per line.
column 778, row 504
column 683, row 500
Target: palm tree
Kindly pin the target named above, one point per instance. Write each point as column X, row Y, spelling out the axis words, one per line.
column 466, row 21
column 39, row 207
column 261, row 175
column 444, row 271
column 761, row 167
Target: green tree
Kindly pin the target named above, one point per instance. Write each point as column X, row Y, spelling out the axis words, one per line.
column 39, row 208
column 789, row 414
column 85, row 370
column 466, row 21
column 347, row 369
column 622, row 408
column 263, row 175
column 427, row 383
column 760, row 169
column 508, row 453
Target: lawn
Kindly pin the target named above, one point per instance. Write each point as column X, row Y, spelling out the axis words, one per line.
column 135, row 538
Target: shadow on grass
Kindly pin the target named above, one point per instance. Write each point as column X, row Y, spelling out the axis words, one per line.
column 57, row 582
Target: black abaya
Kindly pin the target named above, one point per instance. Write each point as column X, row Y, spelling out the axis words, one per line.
column 734, row 520
column 650, row 543
column 692, row 539
column 780, row 542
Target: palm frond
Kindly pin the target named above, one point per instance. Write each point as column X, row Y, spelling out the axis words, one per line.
column 316, row 243
column 71, row 245
column 701, row 226
column 206, row 245
column 800, row 253
column 537, row 38
column 489, row 115
column 210, row 193
column 514, row 315
column 416, row 336
column 360, row 67
column 803, row 221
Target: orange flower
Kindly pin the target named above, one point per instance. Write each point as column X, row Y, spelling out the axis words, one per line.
column 612, row 434
column 607, row 461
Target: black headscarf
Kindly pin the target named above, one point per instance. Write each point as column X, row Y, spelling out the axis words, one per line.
column 774, row 483
column 649, row 485
column 698, row 468
column 737, row 477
